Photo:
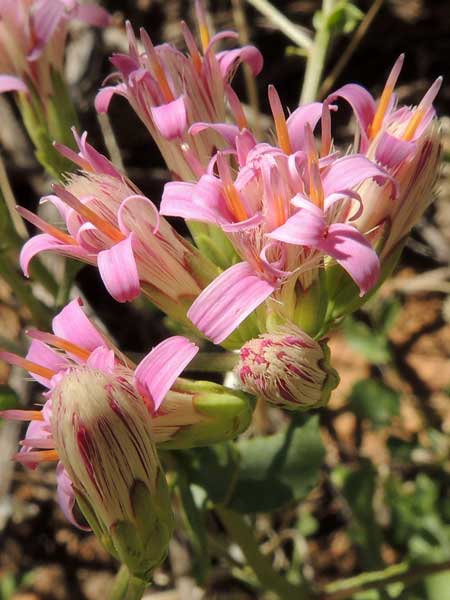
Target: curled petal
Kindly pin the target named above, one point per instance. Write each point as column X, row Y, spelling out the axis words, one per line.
column 351, row 171
column 362, row 103
column 249, row 223
column 228, row 132
column 72, row 324
column 118, row 269
column 228, row 300
column 305, row 228
column 104, row 96
column 47, row 243
column 354, row 253
column 171, row 118
column 157, row 372
column 308, row 113
column 9, row 83
column 203, row 201
column 135, row 211
column 229, row 61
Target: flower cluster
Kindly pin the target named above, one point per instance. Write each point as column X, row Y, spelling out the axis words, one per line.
column 290, row 234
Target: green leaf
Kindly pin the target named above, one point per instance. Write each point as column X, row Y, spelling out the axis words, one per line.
column 373, row 345
column 279, row 469
column 261, row 474
column 374, row 400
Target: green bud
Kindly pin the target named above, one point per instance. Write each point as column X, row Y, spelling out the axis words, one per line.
column 103, row 435
column 200, row 413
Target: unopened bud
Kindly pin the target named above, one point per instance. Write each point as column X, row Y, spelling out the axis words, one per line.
column 200, row 413
column 102, row 432
column 287, row 368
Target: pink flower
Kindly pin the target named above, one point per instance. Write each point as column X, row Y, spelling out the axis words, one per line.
column 388, row 133
column 171, row 91
column 287, row 368
column 32, row 39
column 77, row 343
column 112, row 225
column 284, row 212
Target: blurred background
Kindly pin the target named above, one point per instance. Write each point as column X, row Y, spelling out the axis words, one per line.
column 384, row 491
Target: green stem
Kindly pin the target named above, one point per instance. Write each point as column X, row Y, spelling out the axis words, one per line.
column 214, row 362
column 127, row 587
column 242, row 534
column 402, row 573
column 316, row 56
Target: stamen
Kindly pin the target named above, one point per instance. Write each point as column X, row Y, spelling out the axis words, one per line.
column 28, row 365
column 233, row 200
column 280, row 120
column 63, row 237
column 424, row 105
column 22, row 415
column 202, row 24
column 86, row 212
column 315, row 182
column 192, row 47
column 386, row 97
column 236, row 108
column 58, row 342
column 156, row 66
column 326, row 130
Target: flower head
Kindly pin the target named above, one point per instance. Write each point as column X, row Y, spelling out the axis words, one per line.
column 288, row 369
column 170, row 91
column 112, row 225
column 104, row 439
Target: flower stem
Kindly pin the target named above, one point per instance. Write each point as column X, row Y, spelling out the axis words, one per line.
column 317, row 55
column 403, row 573
column 242, row 534
column 127, row 587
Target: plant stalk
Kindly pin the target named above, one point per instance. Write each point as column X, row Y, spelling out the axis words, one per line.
column 375, row 580
column 242, row 534
column 316, row 56
column 127, row 587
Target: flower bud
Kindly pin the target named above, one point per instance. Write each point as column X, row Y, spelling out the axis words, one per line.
column 200, row 413
column 102, row 432
column 287, row 368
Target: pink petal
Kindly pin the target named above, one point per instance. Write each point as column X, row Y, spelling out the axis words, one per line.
column 92, row 14
column 66, row 496
column 362, row 103
column 171, row 118
column 9, row 83
column 228, row 300
column 229, row 61
column 305, row 228
column 42, row 354
column 46, row 18
column 308, row 113
column 136, row 211
column 391, row 151
column 203, row 201
column 47, row 243
column 104, row 96
column 72, row 324
column 118, row 269
column 228, row 132
column 350, row 171
column 103, row 359
column 157, row 372
column 354, row 253
column 249, row 223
